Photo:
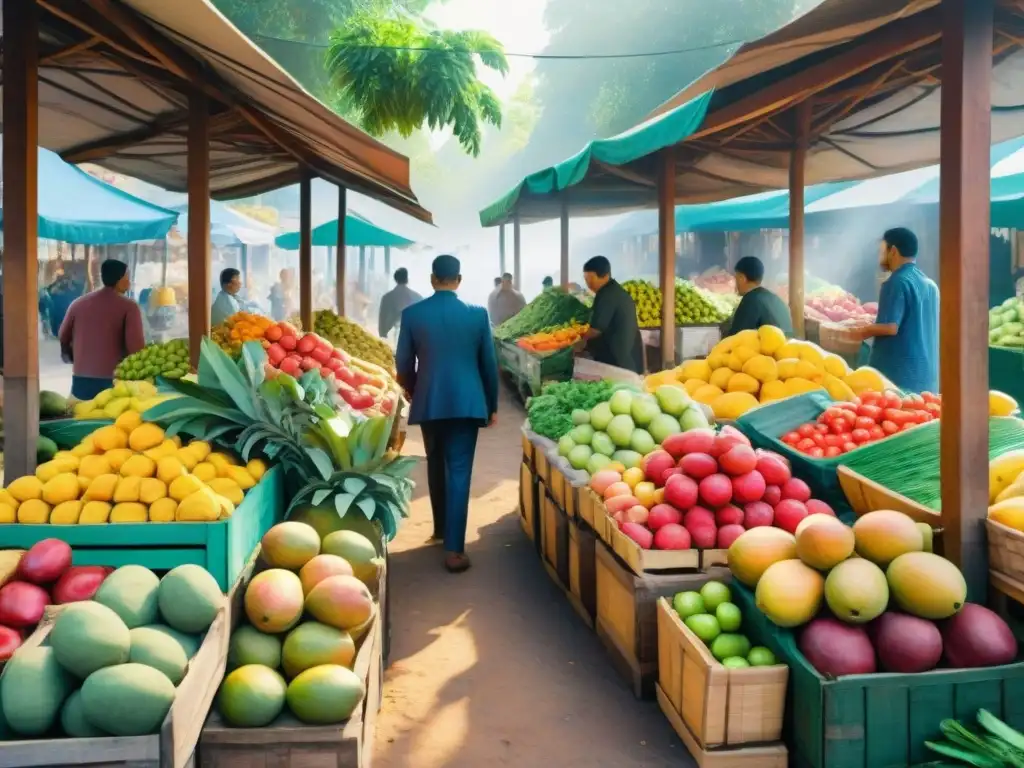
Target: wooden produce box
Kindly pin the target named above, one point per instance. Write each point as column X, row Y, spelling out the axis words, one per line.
column 174, row 745
column 528, row 451
column 865, row 495
column 222, row 547
column 1005, row 550
column 529, row 504
column 554, row 540
column 542, row 466
column 582, row 579
column 627, row 620
column 585, row 509
column 557, row 486
column 721, row 707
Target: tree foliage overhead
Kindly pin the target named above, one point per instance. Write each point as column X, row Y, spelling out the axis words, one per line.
column 401, row 76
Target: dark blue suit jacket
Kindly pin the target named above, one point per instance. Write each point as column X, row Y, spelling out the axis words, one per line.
column 446, row 360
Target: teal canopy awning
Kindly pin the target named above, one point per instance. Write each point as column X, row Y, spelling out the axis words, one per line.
column 358, row 232
column 75, row 207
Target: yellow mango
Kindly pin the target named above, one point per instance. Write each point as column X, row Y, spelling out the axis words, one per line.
column 773, row 390
column 200, row 506
column 239, row 475
column 48, row 470
column 1002, row 471
column 836, row 366
column 1001, row 404
column 128, row 490
column 707, row 394
column 741, row 382
column 8, row 513
column 227, row 509
column 205, row 471
column 129, row 512
column 151, row 490
column 865, row 379
column 128, row 421
column 762, row 368
column 718, row 360
column 257, row 468
column 85, row 448
column 694, row 369
column 110, row 438
column 798, row 385
column 808, row 370
column 735, row 362
column 837, row 389
column 166, row 448
column 227, row 488
column 26, row 488
column 94, row 466
column 177, row 442
column 692, row 385
column 6, row 498
column 771, row 339
column 813, row 354
column 720, row 377
column 138, row 466
column 94, row 513
column 64, row 487
column 118, row 457
column 82, row 408
column 34, row 511
column 83, row 483
column 725, row 346
column 732, row 405
column 116, row 407
column 1013, row 490
column 787, row 367
column 145, row 436
column 185, row 486
column 163, row 510
column 66, row 513
column 68, row 455
column 221, row 461
column 187, row 458
column 169, row 469
column 746, row 339
column 791, row 349
column 1009, row 512
column 101, row 488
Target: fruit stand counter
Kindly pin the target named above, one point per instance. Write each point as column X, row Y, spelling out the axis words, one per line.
column 530, row 370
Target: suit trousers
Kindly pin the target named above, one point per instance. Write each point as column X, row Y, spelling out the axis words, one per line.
column 450, row 445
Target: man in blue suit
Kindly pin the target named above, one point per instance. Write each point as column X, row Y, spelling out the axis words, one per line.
column 447, row 366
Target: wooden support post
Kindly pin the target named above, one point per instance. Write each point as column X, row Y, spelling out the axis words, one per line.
column 564, row 261
column 963, row 275
column 200, row 296
column 306, row 253
column 517, row 266
column 797, row 165
column 362, row 268
column 667, row 254
column 340, row 264
column 501, row 249
column 20, row 256
column 387, row 260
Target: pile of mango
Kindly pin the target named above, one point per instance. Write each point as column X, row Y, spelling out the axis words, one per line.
column 130, row 472
column 238, row 329
column 123, row 397
column 750, row 368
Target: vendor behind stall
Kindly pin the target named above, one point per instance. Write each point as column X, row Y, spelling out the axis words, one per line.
column 614, row 334
column 906, row 333
column 759, row 306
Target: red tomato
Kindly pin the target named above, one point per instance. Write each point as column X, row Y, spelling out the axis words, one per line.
column 928, row 397
column 816, row 453
column 933, row 408
column 890, row 427
column 805, row 445
column 822, row 429
column 846, row 437
column 791, row 438
column 872, row 412
column 819, row 440
column 849, row 446
column 863, row 422
column 861, row 436
column 870, row 397
column 913, row 401
column 833, row 441
column 892, row 400
column 876, row 432
column 832, row 451
column 835, row 412
column 839, row 426
column 805, row 430
column 847, row 407
column 895, row 415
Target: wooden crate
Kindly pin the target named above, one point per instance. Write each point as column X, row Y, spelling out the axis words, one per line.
column 1005, row 550
column 555, row 539
column 542, row 466
column 627, row 620
column 174, row 745
column 865, row 495
column 586, row 501
column 222, row 547
column 557, row 486
column 572, row 499
column 529, row 511
column 720, row 706
column 288, row 743
column 582, row 583
column 528, row 449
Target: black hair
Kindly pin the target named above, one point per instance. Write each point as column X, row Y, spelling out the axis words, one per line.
column 111, row 272
column 548, row 281
column 507, row 276
column 751, row 268
column 227, row 275
column 401, row 275
column 599, row 265
column 497, row 282
column 903, row 240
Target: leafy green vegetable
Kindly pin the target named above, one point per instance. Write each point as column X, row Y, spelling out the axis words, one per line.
column 550, row 413
column 997, row 745
column 550, row 309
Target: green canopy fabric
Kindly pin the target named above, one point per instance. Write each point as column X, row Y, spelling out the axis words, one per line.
column 75, row 207
column 358, row 232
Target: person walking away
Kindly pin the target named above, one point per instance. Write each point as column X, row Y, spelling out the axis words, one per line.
column 394, row 302
column 446, row 363
column 505, row 302
column 100, row 330
column 614, row 334
column 227, row 303
column 906, row 331
column 759, row 306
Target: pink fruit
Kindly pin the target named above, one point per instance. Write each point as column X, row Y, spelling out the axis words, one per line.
column 618, row 488
column 727, row 534
column 698, row 516
column 79, row 582
column 637, row 514
column 795, row 488
column 836, row 649
column 306, row 344
column 680, row 492
column 662, row 515
column 703, row 536
column 757, row 514
column 670, row 472
column 672, row 536
column 906, row 644
column 698, row 465
column 321, row 355
column 10, row 641
column 729, row 515
column 749, row 487
column 22, row 604
column 621, row 503
column 655, row 464
column 772, row 495
column 309, row 364
column 716, row 490
column 773, row 468
column 977, row 637
column 789, row 513
column 738, row 460
column 600, row 481
column 44, row 562
column 819, row 507
column 727, row 439
column 275, row 354
column 691, row 441
column 288, row 343
column 643, row 537
column 290, row 366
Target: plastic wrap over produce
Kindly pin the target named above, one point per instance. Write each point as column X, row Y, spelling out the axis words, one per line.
column 576, row 477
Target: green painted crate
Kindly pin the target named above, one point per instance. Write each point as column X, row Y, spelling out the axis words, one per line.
column 881, row 720
column 221, row 547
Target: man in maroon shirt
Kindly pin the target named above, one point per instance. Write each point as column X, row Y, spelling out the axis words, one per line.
column 100, row 330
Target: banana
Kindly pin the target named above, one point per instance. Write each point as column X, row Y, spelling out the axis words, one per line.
column 1003, row 471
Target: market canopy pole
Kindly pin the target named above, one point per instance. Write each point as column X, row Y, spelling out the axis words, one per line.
column 565, row 243
column 342, row 253
column 517, row 266
column 501, row 250
column 306, row 252
column 199, row 293
column 667, row 254
column 964, row 232
column 797, row 168
column 21, row 223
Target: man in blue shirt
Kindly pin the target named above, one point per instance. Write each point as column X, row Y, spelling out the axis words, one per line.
column 226, row 304
column 906, row 331
column 447, row 366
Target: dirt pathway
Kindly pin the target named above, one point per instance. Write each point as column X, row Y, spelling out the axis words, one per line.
column 492, row 667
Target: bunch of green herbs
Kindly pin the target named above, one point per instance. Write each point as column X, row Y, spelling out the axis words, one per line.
column 552, row 308
column 550, row 412
column 993, row 744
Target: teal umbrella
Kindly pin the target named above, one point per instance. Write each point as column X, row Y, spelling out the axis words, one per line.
column 358, row 232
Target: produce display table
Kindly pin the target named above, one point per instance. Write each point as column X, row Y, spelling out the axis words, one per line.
column 529, row 371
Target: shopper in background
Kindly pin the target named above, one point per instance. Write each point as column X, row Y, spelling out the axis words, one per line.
column 505, row 301
column 614, row 335
column 447, row 365
column 759, row 306
column 281, row 303
column 394, row 302
column 227, row 303
column 100, row 330
column 906, row 331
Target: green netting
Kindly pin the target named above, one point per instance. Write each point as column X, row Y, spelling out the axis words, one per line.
column 916, row 475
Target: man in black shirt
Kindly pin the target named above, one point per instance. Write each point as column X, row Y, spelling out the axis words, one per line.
column 614, row 335
column 759, row 306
